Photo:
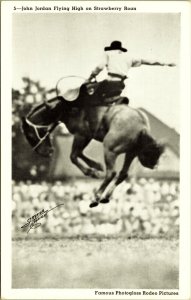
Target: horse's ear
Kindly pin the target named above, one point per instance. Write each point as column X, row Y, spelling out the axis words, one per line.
column 23, row 124
column 161, row 147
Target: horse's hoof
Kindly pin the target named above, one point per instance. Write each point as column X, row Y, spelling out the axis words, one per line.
column 104, row 200
column 93, row 204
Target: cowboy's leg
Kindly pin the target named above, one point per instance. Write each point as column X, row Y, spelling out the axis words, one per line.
column 79, row 143
column 116, row 87
column 112, row 88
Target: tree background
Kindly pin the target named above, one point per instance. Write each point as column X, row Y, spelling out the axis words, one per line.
column 26, row 163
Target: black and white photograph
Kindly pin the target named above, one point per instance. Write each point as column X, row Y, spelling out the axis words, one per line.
column 95, row 150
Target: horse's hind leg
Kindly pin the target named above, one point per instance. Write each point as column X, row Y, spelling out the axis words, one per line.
column 79, row 143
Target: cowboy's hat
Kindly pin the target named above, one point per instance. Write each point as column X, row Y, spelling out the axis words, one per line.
column 115, row 45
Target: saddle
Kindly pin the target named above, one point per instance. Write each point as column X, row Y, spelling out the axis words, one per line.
column 102, row 93
column 77, row 92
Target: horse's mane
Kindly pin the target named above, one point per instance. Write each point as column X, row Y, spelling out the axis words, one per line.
column 144, row 117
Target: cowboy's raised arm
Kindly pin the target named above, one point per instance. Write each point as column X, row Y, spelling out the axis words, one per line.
column 155, row 63
column 98, row 69
column 140, row 62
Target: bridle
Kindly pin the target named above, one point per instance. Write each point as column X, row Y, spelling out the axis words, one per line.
column 36, row 127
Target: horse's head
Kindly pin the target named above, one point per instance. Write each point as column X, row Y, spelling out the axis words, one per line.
column 149, row 151
column 37, row 138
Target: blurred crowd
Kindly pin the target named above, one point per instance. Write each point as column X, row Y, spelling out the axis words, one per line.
column 142, row 206
column 24, row 99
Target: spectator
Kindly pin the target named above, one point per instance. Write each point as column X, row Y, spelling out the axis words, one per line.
column 133, row 209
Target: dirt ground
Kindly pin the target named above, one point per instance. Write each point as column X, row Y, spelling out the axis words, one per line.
column 95, row 263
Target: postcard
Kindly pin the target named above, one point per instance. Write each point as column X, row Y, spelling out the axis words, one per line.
column 95, row 116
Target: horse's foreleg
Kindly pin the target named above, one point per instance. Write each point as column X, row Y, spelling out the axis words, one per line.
column 79, row 143
column 123, row 174
column 110, row 158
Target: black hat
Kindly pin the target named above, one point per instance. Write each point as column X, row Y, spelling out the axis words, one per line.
column 115, row 45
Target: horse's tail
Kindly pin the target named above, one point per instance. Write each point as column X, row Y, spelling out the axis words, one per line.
column 149, row 149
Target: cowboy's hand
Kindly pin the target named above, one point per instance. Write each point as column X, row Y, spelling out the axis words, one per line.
column 92, row 79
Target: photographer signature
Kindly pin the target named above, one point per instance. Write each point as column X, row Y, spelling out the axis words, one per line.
column 32, row 221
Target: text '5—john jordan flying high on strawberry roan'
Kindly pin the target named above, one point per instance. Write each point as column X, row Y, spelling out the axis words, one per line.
column 73, row 8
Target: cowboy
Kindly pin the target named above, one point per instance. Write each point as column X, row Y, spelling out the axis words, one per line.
column 117, row 64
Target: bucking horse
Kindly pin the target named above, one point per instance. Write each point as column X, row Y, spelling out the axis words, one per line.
column 110, row 120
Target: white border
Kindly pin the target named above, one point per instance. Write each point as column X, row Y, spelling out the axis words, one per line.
column 144, row 6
